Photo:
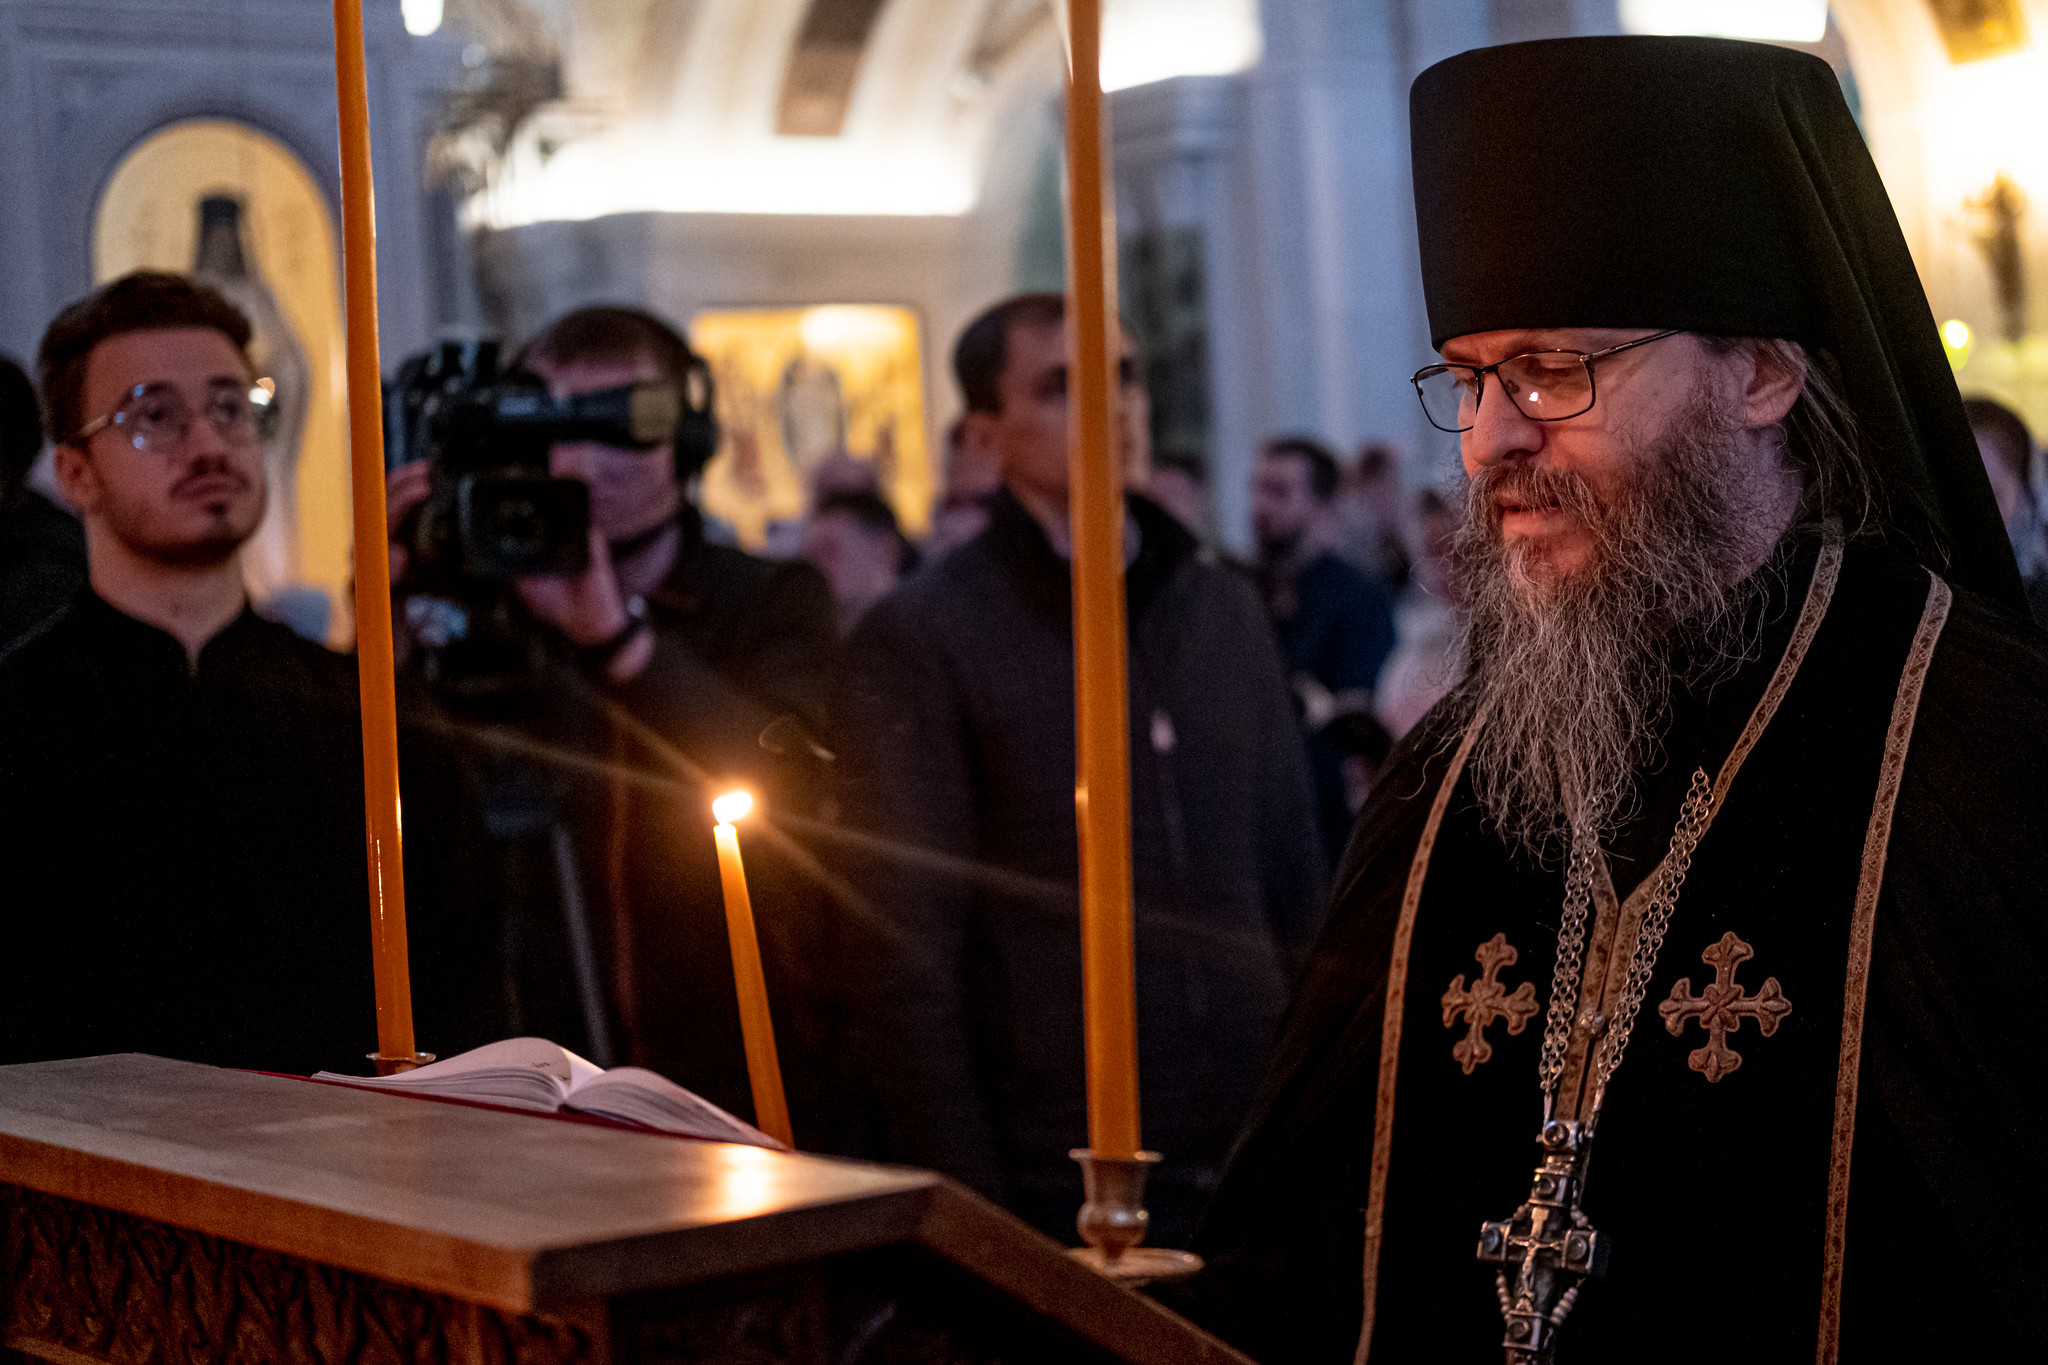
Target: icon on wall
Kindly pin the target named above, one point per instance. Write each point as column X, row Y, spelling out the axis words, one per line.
column 807, row 396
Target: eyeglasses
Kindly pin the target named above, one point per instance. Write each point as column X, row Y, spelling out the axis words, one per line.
column 156, row 419
column 1544, row 386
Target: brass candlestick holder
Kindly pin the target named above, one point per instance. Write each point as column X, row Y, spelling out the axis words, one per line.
column 392, row 1066
column 1113, row 1222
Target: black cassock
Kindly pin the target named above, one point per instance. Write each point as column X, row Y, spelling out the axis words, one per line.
column 1710, row 1175
column 182, row 869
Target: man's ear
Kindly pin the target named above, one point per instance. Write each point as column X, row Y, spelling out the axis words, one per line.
column 978, row 434
column 1777, row 376
column 77, row 480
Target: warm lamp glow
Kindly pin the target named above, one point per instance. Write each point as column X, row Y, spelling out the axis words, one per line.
column 422, row 17
column 848, row 327
column 1956, row 339
column 732, row 806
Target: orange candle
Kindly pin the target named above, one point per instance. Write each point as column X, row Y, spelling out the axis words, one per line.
column 372, row 556
column 1102, row 793
column 764, row 1069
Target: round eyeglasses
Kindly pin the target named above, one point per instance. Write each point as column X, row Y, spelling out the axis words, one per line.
column 1544, row 386
column 157, row 419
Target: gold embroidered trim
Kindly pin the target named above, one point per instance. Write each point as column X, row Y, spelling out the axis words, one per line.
column 1390, row 1032
column 1876, row 842
column 1818, row 594
column 1601, row 995
column 1827, row 571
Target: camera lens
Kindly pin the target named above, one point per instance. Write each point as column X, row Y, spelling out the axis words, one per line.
column 521, row 524
column 517, row 529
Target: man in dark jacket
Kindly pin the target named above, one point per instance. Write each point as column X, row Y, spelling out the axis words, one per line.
column 672, row 659
column 181, row 782
column 957, row 737
column 42, row 546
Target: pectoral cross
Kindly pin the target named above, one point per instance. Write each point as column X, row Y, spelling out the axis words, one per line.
column 1487, row 1001
column 1546, row 1251
column 1722, row 1007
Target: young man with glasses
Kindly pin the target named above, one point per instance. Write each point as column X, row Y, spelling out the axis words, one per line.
column 1680, row 997
column 181, row 780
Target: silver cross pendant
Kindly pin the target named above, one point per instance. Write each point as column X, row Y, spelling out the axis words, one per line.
column 1546, row 1251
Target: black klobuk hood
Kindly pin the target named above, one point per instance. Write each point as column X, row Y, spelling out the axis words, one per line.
column 1711, row 186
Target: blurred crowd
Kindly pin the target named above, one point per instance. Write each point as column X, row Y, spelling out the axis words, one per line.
column 180, row 790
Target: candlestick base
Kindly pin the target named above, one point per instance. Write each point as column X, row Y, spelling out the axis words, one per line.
column 1113, row 1222
column 1140, row 1265
column 391, row 1066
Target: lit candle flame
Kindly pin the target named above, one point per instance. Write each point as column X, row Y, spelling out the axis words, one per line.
column 732, row 806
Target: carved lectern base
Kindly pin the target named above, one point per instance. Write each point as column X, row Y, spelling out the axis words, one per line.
column 79, row 1284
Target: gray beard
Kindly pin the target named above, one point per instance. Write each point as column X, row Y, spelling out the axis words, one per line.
column 1576, row 673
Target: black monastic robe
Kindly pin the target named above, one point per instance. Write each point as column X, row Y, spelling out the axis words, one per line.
column 182, row 844
column 1710, row 1175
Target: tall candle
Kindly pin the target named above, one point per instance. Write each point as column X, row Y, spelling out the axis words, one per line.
column 1102, row 793
column 372, row 556
column 764, row 1069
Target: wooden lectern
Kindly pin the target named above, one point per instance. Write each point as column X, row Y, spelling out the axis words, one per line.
column 160, row 1212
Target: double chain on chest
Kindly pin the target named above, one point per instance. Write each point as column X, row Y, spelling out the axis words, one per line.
column 1548, row 1248
column 1607, row 1037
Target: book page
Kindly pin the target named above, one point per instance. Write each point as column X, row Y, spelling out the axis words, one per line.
column 522, row 1073
column 641, row 1096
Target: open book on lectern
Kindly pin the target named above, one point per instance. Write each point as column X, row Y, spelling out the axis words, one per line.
column 533, row 1073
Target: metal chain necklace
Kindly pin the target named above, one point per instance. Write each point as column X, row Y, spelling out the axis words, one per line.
column 1693, row 819
column 1548, row 1249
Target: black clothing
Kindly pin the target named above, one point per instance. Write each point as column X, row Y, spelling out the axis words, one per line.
column 1336, row 629
column 1714, row 1193
column 184, row 853
column 2037, row 599
column 42, row 563
column 956, row 735
column 740, row 644
column 1712, row 186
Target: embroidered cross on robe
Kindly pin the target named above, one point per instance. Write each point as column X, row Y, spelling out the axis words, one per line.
column 1722, row 1006
column 1487, row 1001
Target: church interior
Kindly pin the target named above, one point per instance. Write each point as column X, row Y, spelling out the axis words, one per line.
column 819, row 201
column 709, row 160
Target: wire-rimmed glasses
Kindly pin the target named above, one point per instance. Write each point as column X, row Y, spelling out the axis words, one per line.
column 157, row 419
column 1544, row 386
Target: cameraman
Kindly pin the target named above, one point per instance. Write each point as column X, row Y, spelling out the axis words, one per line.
column 614, row 920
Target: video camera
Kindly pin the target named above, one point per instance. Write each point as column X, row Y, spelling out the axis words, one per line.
column 494, row 512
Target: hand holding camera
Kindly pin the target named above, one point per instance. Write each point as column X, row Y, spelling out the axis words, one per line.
column 491, row 511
